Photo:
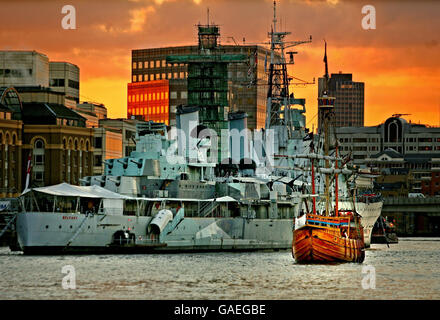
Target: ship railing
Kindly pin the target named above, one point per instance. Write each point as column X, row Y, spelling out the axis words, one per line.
column 369, row 198
column 207, row 208
column 127, row 241
column 322, row 221
column 147, row 241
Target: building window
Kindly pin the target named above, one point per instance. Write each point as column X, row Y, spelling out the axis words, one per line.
column 98, row 160
column 73, row 84
column 98, row 142
column 39, row 144
column 39, row 152
column 134, row 65
column 134, row 78
column 39, row 159
column 39, row 176
column 56, row 82
column 173, row 95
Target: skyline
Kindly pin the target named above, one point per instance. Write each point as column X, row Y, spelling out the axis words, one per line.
column 398, row 61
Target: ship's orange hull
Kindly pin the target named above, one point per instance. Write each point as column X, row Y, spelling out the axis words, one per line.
column 312, row 244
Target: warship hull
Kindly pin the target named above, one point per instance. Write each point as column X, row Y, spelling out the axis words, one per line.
column 321, row 246
column 50, row 233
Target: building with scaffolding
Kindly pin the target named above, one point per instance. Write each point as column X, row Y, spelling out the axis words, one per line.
column 246, row 89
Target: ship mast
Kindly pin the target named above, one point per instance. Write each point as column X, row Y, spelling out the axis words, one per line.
column 279, row 100
column 312, row 147
column 325, row 109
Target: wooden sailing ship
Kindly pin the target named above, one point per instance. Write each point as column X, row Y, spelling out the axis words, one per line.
column 328, row 239
column 334, row 235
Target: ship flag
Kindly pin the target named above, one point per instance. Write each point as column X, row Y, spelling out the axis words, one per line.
column 28, row 170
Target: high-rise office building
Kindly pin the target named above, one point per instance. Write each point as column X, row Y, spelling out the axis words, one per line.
column 349, row 104
column 247, row 91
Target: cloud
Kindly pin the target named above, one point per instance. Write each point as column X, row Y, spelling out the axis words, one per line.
column 138, row 18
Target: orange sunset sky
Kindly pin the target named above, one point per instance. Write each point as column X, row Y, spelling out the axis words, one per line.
column 399, row 61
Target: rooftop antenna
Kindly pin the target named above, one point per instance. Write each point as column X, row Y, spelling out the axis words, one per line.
column 208, row 16
column 326, row 69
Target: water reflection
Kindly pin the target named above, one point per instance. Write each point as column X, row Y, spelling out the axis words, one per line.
column 407, row 270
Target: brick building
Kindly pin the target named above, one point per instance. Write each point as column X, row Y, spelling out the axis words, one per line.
column 10, row 143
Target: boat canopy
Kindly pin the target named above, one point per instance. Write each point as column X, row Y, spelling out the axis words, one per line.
column 68, row 190
column 220, row 199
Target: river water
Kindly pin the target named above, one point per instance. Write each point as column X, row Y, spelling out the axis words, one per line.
column 407, row 270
